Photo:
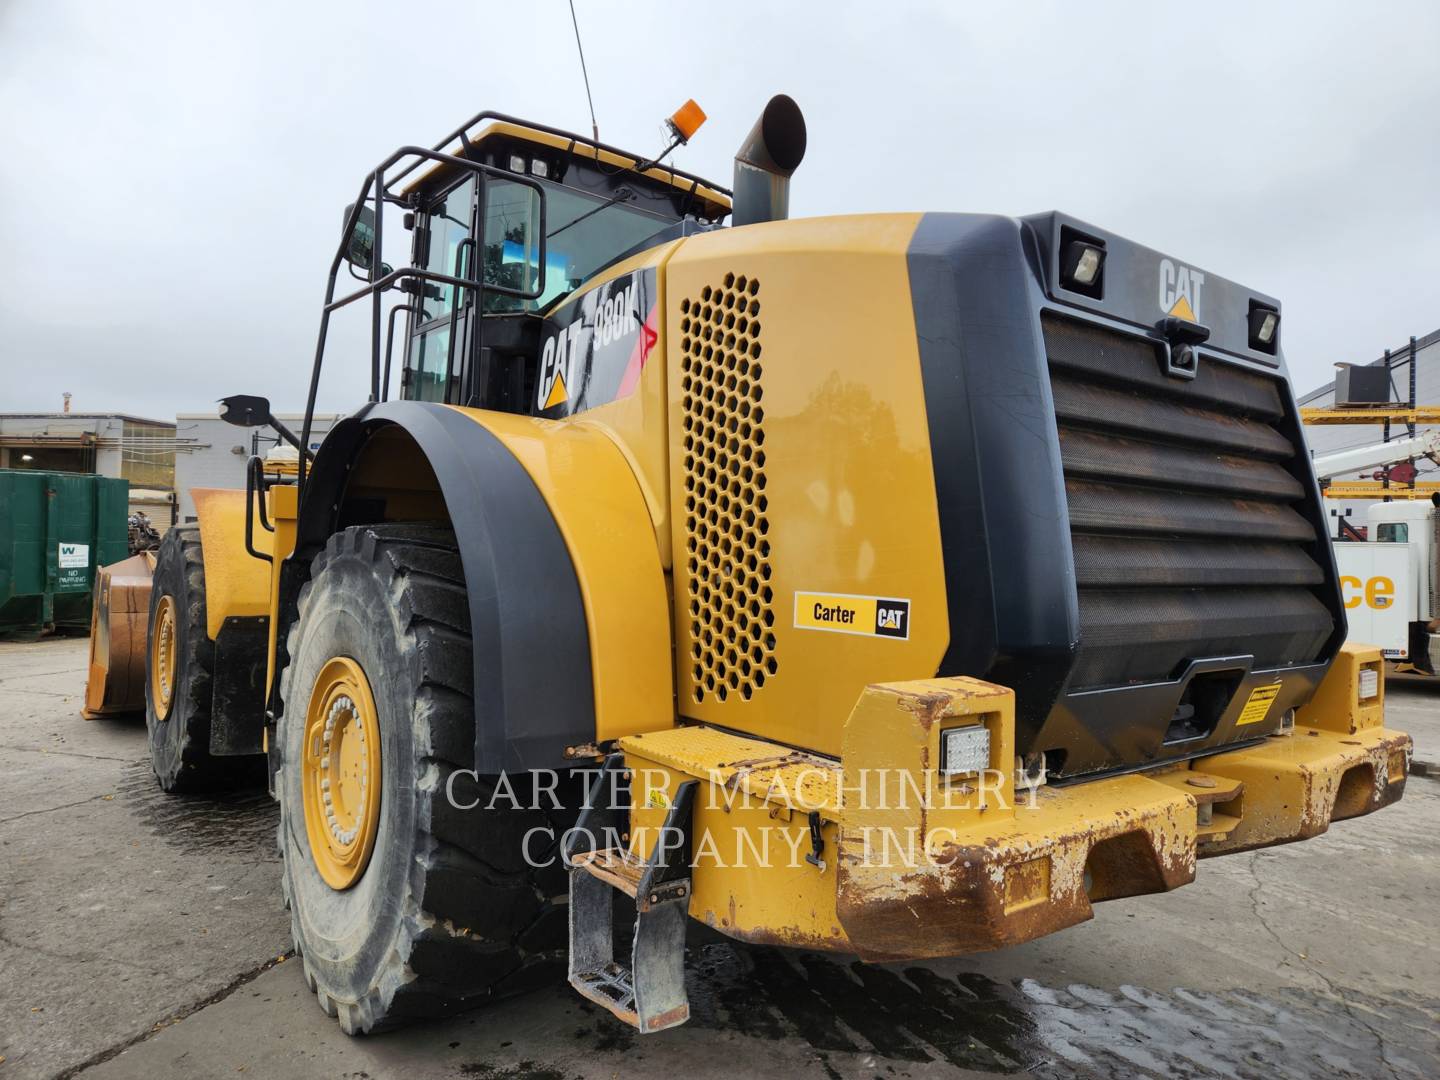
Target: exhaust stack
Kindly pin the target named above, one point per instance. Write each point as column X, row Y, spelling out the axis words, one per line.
column 765, row 161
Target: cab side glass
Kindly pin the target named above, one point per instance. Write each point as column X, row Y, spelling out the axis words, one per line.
column 514, row 243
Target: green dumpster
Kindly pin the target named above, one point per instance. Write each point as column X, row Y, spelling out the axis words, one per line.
column 55, row 528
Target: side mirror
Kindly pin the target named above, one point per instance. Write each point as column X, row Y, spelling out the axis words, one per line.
column 360, row 247
column 251, row 410
column 245, row 410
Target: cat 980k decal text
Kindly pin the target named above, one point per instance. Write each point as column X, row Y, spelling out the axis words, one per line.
column 594, row 347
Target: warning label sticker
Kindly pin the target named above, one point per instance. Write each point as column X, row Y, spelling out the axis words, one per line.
column 840, row 613
column 1258, row 706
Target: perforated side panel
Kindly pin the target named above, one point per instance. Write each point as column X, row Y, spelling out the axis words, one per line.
column 727, row 554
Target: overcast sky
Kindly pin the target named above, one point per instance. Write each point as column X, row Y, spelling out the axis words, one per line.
column 172, row 175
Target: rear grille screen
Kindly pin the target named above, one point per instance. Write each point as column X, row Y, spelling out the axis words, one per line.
column 1183, row 517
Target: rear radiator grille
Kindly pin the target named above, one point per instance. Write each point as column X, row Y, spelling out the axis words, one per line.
column 1185, row 515
column 728, row 593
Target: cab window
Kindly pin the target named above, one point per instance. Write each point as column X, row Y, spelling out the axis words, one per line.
column 511, row 256
column 1393, row 532
column 499, row 225
column 449, row 224
column 583, row 234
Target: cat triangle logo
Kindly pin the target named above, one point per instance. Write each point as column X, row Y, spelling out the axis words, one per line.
column 557, row 395
column 1181, row 309
column 1180, row 290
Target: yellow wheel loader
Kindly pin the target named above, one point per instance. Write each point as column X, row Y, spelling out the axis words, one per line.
column 896, row 585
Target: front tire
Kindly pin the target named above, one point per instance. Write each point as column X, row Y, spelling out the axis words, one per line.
column 402, row 906
column 180, row 658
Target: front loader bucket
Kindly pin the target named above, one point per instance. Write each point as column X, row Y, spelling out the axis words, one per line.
column 118, row 626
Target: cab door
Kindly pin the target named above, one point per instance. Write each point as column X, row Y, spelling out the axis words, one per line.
column 440, row 333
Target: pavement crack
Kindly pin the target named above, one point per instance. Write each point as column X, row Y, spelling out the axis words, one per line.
column 65, row 753
column 53, row 809
column 174, row 1018
column 1335, row 991
column 56, row 954
column 40, row 675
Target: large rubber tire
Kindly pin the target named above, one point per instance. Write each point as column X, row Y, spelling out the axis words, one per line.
column 180, row 737
column 447, row 911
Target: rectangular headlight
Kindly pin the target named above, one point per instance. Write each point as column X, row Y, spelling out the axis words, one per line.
column 964, row 750
column 1369, row 684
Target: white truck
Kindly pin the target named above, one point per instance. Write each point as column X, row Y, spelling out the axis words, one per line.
column 1391, row 580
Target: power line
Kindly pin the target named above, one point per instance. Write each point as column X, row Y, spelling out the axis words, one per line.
column 594, row 127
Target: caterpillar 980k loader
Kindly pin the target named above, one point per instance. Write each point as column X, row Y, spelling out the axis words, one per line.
column 899, row 585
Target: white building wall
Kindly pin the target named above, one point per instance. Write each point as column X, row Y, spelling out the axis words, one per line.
column 211, row 453
column 107, row 458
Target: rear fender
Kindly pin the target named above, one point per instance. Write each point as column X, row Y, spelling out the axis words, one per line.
column 569, row 618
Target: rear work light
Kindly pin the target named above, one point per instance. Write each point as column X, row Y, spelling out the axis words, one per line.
column 964, row 750
column 1264, row 328
column 1086, row 266
column 1369, row 684
column 1082, row 263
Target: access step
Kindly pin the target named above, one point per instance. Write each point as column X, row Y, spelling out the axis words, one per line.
column 649, row 992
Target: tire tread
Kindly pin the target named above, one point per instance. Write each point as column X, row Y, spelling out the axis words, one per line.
column 469, row 865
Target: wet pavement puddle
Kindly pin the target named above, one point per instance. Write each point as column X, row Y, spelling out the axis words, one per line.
column 242, row 822
column 910, row 1017
column 904, row 1017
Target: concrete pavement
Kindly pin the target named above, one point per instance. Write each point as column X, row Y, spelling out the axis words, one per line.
column 139, row 937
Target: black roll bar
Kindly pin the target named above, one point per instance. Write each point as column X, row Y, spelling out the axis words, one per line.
column 376, row 182
column 376, row 189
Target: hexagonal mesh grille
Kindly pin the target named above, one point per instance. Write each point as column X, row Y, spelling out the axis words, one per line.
column 732, row 646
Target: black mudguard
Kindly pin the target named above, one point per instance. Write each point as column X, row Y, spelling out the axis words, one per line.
column 533, row 689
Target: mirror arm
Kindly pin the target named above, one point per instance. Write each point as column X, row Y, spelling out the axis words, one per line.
column 285, row 433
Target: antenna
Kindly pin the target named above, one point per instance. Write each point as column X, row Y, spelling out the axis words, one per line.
column 594, row 127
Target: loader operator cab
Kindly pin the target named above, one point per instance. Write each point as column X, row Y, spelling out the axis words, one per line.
column 566, row 214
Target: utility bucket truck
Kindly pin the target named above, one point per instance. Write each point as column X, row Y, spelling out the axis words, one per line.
column 1389, row 580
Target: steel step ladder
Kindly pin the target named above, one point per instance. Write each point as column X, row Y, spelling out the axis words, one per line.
column 648, row 993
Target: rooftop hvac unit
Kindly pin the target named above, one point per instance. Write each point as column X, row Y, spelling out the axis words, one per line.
column 1362, row 386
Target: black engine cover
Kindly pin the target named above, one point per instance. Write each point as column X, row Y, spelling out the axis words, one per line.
column 1139, row 555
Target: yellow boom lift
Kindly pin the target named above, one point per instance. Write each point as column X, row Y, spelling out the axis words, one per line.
column 897, row 585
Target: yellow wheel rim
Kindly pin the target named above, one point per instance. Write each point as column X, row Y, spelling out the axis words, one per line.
column 340, row 772
column 162, row 657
